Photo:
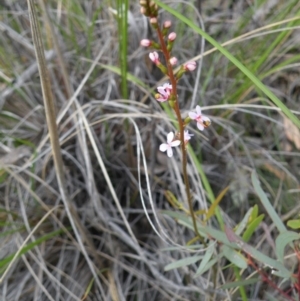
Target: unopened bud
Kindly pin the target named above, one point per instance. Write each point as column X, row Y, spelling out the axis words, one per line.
column 153, row 22
column 167, row 24
column 145, row 43
column 143, row 10
column 172, row 36
column 173, row 61
column 190, row 66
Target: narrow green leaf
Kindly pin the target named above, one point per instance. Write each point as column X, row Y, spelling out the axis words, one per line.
column 122, row 7
column 240, row 283
column 30, row 246
column 271, row 297
column 242, row 225
column 182, row 262
column 294, row 223
column 215, row 203
column 278, row 268
column 252, row 227
column 282, row 240
column 205, row 231
column 254, row 213
column 206, row 258
column 266, row 203
column 235, row 257
column 208, row 265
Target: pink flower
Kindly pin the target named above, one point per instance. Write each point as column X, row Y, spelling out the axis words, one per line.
column 145, row 43
column 202, row 121
column 164, row 92
column 154, row 57
column 187, row 136
column 170, row 143
column 172, row 36
column 190, row 66
column 173, row 60
column 153, row 21
column 167, row 24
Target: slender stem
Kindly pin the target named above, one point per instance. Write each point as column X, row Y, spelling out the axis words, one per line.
column 181, row 130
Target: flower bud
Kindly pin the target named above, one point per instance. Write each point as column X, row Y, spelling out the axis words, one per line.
column 173, row 61
column 167, row 24
column 154, row 23
column 145, row 43
column 190, row 66
column 143, row 10
column 172, row 36
column 154, row 57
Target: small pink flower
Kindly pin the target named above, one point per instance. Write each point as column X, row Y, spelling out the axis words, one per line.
column 153, row 21
column 143, row 10
column 167, row 24
column 173, row 60
column 154, row 57
column 170, row 143
column 187, row 136
column 190, row 66
column 164, row 92
column 145, row 43
column 172, row 36
column 202, row 121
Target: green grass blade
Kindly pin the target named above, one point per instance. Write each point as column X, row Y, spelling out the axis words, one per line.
column 266, row 203
column 122, row 8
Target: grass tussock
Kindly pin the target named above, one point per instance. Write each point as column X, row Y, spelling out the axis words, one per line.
column 109, row 219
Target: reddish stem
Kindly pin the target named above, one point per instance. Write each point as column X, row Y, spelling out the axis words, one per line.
column 266, row 278
column 181, row 129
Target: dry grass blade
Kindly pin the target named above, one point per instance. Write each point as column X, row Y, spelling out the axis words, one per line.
column 54, row 140
column 25, row 242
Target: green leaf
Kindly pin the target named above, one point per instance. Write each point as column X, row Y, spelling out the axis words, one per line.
column 240, row 283
column 282, row 240
column 278, row 268
column 182, row 262
column 215, row 203
column 252, row 227
column 235, row 257
column 30, row 246
column 294, row 223
column 206, row 258
column 205, row 231
column 208, row 265
column 254, row 213
column 266, row 203
column 242, row 225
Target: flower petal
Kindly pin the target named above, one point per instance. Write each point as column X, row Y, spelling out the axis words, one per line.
column 170, row 152
column 170, row 137
column 167, row 86
column 205, row 118
column 163, row 147
column 200, row 126
column 161, row 90
column 175, row 143
column 187, row 136
column 198, row 110
column 193, row 115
